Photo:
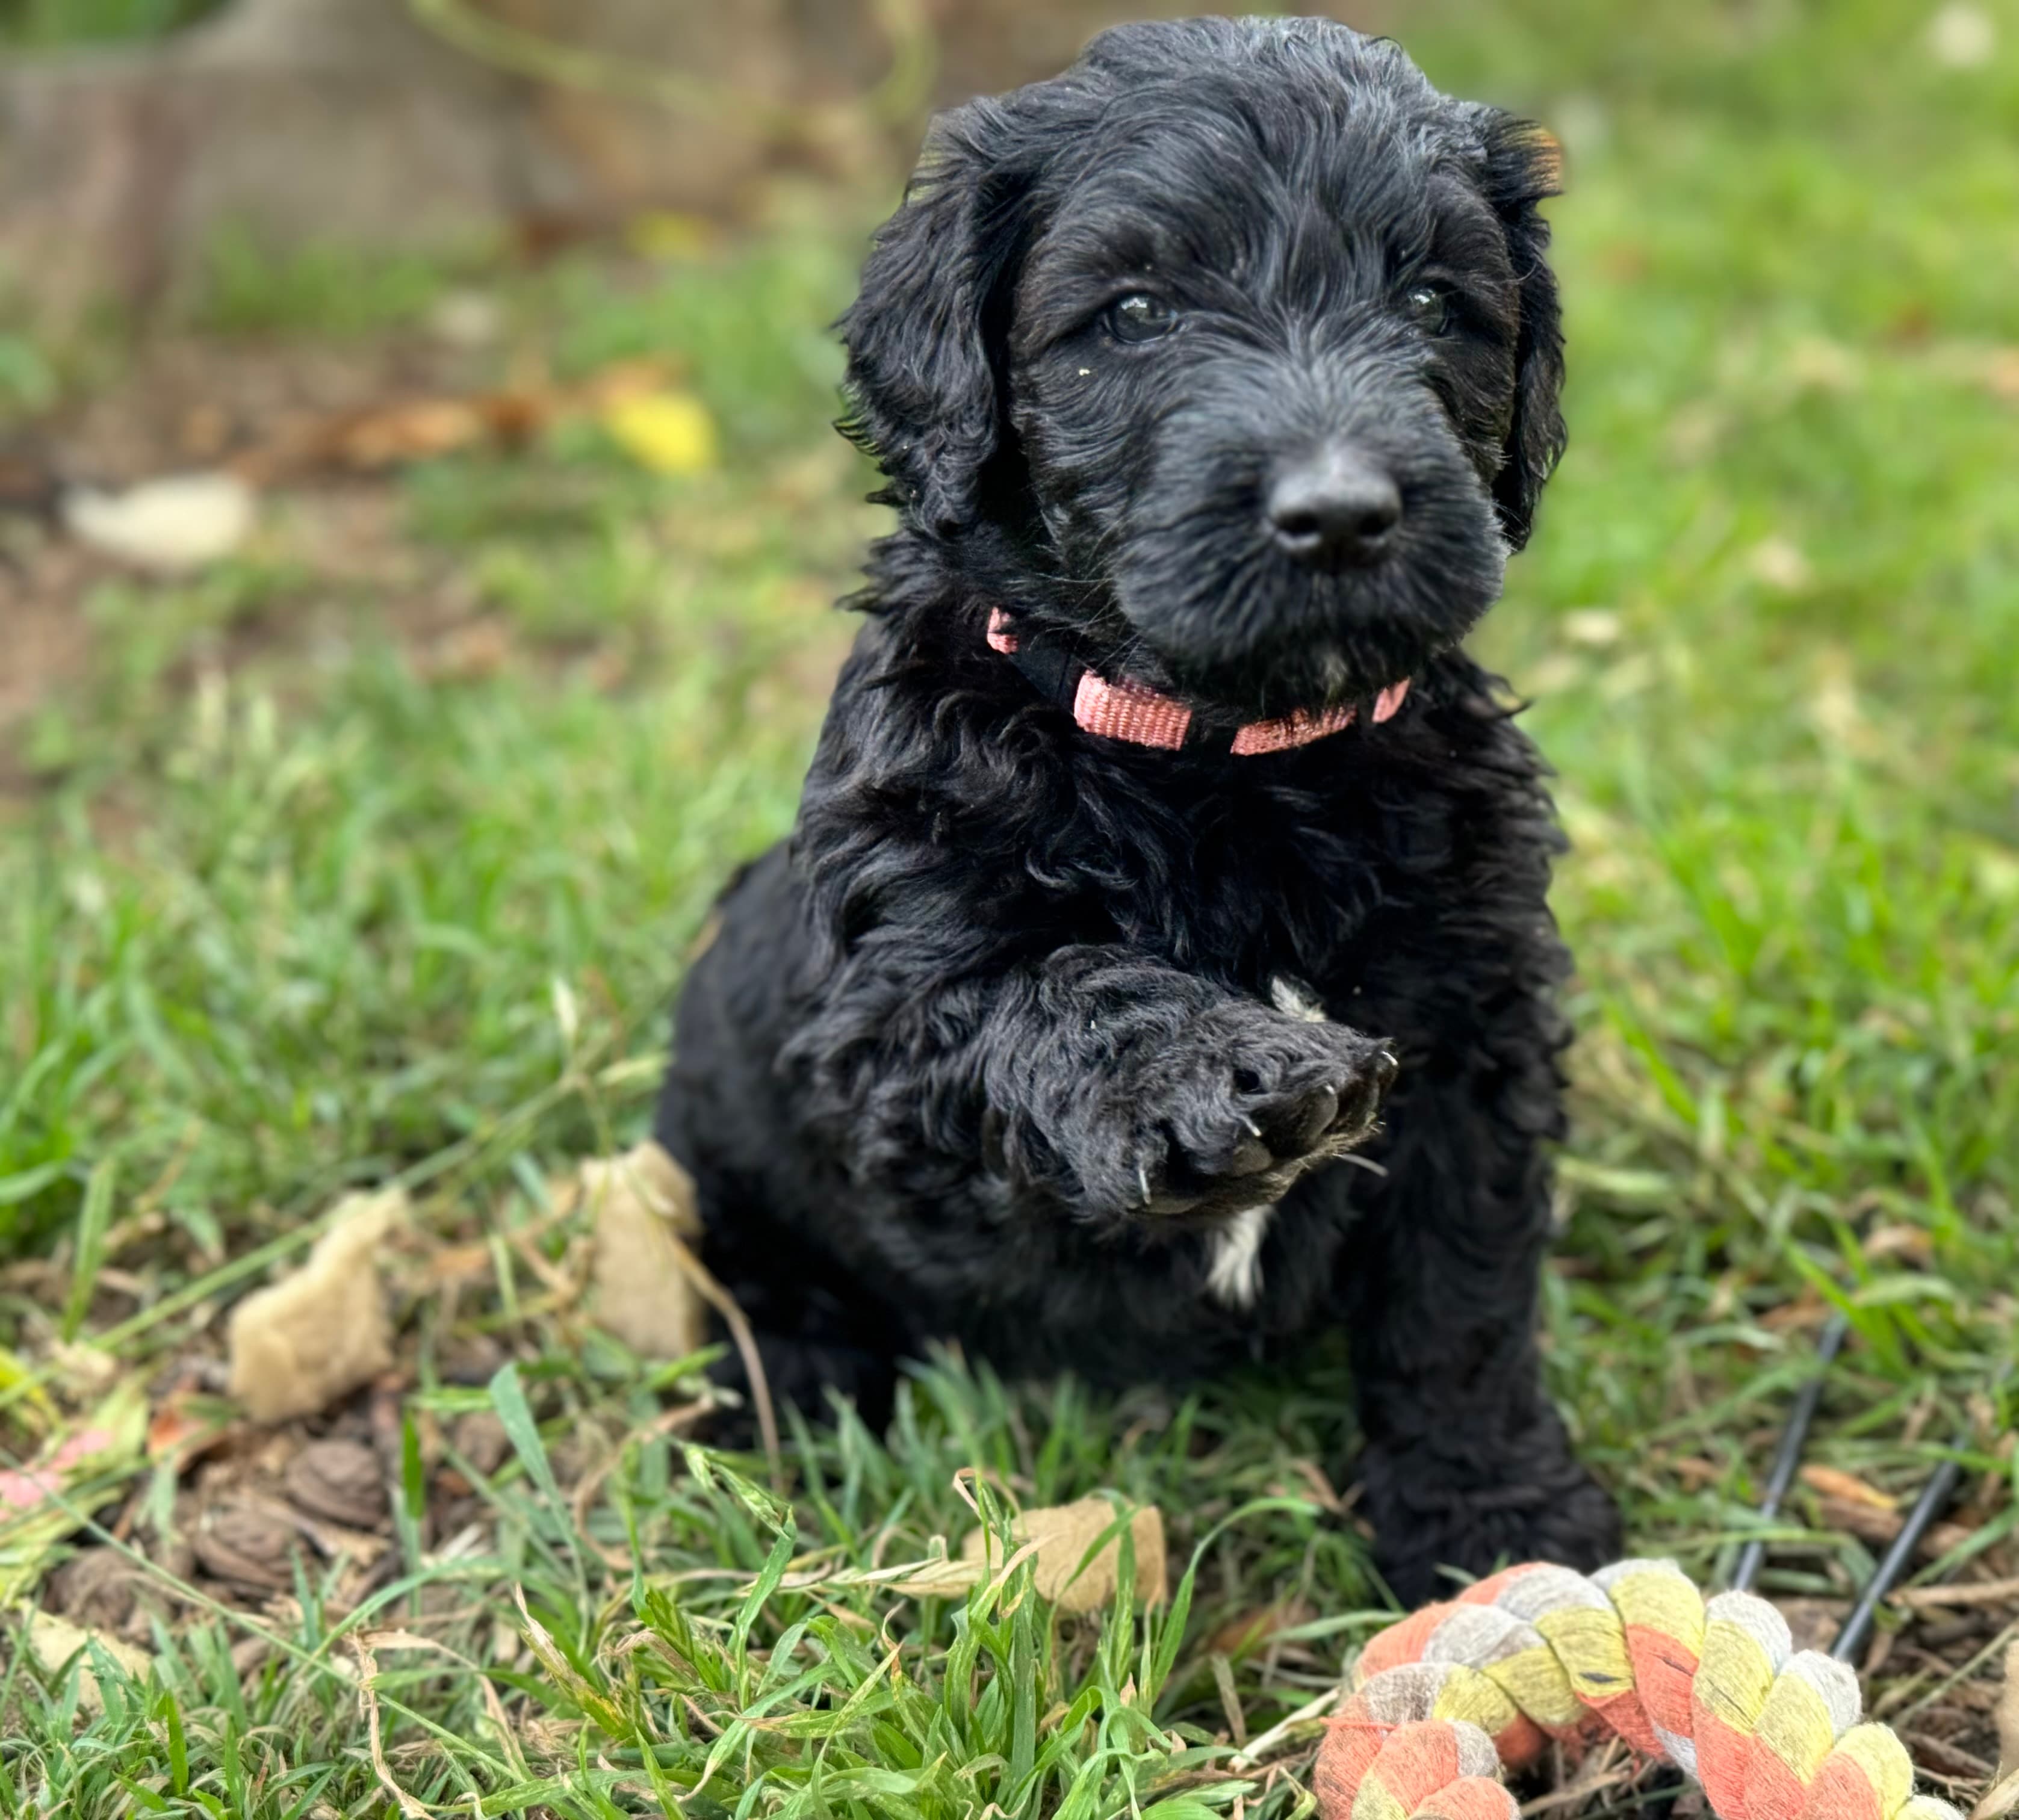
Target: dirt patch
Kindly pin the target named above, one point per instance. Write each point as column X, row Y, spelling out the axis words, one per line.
column 187, row 403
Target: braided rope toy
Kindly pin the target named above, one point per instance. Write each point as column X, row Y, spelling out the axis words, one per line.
column 1444, row 1699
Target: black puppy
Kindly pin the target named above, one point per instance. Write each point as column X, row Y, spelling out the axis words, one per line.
column 1214, row 380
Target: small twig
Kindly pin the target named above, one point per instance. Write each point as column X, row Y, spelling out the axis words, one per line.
column 1999, row 1800
column 1643, row 1799
column 1273, row 1739
column 1989, row 1592
column 1965, row 1766
column 733, row 1317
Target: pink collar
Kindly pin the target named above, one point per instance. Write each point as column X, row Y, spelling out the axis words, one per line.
column 1129, row 710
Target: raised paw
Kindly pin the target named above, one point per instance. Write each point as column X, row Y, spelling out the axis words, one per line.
column 1244, row 1100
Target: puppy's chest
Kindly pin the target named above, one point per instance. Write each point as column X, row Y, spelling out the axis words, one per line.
column 1246, row 892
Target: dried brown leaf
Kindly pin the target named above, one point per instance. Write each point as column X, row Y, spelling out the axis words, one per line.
column 641, row 1203
column 247, row 1545
column 1063, row 1533
column 1833, row 1483
column 339, row 1479
column 319, row 1334
column 56, row 1640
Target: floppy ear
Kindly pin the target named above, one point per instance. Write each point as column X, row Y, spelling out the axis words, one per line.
column 1524, row 165
column 924, row 335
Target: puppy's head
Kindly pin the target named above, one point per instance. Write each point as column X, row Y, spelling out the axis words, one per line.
column 1242, row 334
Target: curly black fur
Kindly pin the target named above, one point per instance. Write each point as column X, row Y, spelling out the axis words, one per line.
column 1005, row 1043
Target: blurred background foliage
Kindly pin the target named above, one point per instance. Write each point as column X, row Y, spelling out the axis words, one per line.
column 35, row 24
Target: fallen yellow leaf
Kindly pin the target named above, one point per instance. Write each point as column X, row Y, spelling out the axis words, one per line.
column 667, row 234
column 671, row 432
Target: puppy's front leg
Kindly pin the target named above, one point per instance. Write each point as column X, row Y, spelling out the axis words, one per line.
column 1120, row 1086
column 1467, row 1464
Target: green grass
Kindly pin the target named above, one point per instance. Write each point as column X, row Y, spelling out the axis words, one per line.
column 289, row 907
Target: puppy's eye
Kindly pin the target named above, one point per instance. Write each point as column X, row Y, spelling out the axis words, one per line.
column 1140, row 317
column 1429, row 306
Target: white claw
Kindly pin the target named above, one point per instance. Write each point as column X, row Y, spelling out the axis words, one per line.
column 1143, row 1176
column 1254, row 1130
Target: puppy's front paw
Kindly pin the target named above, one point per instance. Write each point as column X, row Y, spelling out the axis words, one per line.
column 1244, row 1100
column 1430, row 1514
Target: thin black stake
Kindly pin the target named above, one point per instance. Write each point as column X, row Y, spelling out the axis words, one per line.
column 1827, row 1345
column 1933, row 1501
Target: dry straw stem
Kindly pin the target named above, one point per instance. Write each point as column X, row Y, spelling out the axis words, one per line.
column 1990, row 1592
column 2007, row 1715
column 2002, row 1797
column 368, row 1690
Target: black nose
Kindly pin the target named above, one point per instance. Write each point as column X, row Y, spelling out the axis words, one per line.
column 1338, row 507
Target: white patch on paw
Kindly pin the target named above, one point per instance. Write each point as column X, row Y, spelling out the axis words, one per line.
column 1235, row 1276
column 1293, row 999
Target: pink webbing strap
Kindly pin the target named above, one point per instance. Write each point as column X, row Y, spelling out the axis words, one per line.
column 1140, row 715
